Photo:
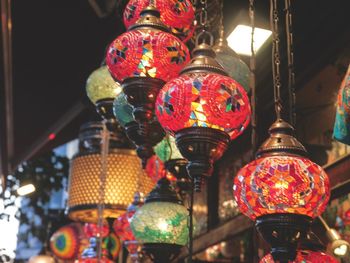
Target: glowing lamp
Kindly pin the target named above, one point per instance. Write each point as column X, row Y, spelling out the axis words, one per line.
column 337, row 246
column 303, row 256
column 123, row 113
column 102, row 90
column 25, row 189
column 41, row 259
column 282, row 191
column 203, row 108
column 161, row 223
column 178, row 15
column 240, row 39
column 123, row 173
column 143, row 59
column 230, row 61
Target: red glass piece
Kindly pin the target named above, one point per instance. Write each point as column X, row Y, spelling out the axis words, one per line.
column 91, row 230
column 305, row 256
column 281, row 184
column 203, row 100
column 178, row 15
column 155, row 168
column 146, row 53
column 122, row 228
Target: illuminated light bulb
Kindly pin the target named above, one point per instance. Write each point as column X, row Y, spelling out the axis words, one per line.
column 25, row 189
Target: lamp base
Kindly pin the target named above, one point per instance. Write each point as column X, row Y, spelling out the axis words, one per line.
column 283, row 232
column 141, row 93
column 201, row 146
column 161, row 253
column 104, row 108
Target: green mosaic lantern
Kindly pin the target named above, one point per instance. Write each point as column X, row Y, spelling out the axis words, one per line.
column 167, row 150
column 161, row 224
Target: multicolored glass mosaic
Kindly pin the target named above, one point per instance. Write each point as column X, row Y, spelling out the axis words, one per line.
column 146, row 53
column 341, row 131
column 305, row 256
column 203, row 100
column 281, row 184
column 155, row 168
column 100, row 85
column 161, row 222
column 167, row 150
column 65, row 242
column 122, row 110
column 178, row 15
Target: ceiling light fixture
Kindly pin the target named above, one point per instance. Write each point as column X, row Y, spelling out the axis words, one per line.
column 240, row 38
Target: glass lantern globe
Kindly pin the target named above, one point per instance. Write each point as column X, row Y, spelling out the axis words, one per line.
column 178, row 15
column 305, row 256
column 146, row 50
column 122, row 110
column 167, row 150
column 100, row 85
column 281, row 184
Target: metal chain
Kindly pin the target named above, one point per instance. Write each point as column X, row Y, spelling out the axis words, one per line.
column 203, row 22
column 274, row 19
column 252, row 84
column 103, row 178
column 290, row 56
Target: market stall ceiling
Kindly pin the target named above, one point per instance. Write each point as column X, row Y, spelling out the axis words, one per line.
column 57, row 44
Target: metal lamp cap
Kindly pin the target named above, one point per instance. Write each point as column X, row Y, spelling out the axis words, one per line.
column 163, row 192
column 149, row 18
column 221, row 45
column 203, row 61
column 281, row 140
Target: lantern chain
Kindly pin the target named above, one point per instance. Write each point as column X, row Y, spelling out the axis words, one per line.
column 276, row 61
column 103, row 177
column 290, row 56
column 252, row 66
column 204, row 35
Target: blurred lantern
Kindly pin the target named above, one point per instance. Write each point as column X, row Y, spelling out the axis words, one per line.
column 174, row 163
column 155, row 169
column 123, row 113
column 178, row 15
column 161, row 223
column 144, row 58
column 122, row 228
column 341, row 131
column 230, row 61
column 204, row 109
column 102, row 90
column 282, row 191
column 304, row 256
column 123, row 176
column 65, row 242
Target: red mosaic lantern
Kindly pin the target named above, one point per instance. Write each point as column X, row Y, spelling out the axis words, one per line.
column 305, row 256
column 143, row 59
column 178, row 15
column 282, row 190
column 204, row 109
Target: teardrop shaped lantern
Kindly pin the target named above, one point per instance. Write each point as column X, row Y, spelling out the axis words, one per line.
column 178, row 15
column 203, row 108
column 282, row 191
column 143, row 59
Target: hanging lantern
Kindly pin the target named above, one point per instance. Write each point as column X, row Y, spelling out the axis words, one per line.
column 123, row 113
column 282, row 190
column 178, row 15
column 304, row 256
column 144, row 58
column 155, row 169
column 65, row 242
column 204, row 109
column 161, row 223
column 174, row 163
column 231, row 62
column 123, row 174
column 102, row 90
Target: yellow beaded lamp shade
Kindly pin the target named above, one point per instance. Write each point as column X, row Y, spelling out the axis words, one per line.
column 124, row 177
